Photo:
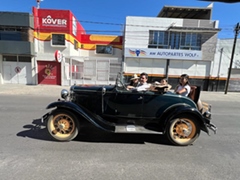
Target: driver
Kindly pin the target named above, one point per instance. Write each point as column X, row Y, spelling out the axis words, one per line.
column 143, row 85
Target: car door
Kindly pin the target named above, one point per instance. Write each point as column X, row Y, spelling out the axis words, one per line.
column 123, row 103
column 129, row 104
column 153, row 104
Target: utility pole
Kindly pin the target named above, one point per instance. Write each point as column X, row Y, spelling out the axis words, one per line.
column 237, row 28
column 219, row 66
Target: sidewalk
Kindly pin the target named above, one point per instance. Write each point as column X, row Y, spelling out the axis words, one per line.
column 21, row 89
column 53, row 90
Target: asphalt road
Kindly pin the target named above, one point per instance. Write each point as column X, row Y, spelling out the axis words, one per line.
column 27, row 152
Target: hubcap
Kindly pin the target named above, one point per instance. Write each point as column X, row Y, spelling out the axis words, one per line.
column 183, row 129
column 63, row 124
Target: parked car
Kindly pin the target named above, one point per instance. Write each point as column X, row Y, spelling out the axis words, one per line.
column 115, row 109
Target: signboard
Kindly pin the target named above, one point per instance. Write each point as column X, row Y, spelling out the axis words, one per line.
column 53, row 20
column 18, row 69
column 58, row 56
column 163, row 53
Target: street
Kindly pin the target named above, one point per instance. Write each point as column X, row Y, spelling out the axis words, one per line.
column 27, row 152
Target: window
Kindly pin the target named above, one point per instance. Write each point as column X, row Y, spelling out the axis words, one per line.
column 103, row 49
column 75, row 45
column 190, row 41
column 24, row 59
column 20, row 58
column 174, row 40
column 10, row 36
column 10, row 33
column 158, row 39
column 58, row 39
column 10, row 58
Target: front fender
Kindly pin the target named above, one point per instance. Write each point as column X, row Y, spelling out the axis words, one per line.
column 180, row 109
column 83, row 112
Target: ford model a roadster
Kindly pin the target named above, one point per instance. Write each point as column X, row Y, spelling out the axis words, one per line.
column 115, row 109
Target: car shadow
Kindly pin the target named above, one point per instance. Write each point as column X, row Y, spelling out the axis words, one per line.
column 36, row 130
column 89, row 133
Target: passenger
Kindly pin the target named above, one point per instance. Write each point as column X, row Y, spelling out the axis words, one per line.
column 164, row 81
column 183, row 88
column 161, row 84
column 134, row 81
column 143, row 85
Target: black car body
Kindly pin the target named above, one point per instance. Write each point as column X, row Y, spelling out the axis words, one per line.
column 115, row 109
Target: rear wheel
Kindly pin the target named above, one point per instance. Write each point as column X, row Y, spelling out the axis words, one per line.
column 183, row 130
column 62, row 125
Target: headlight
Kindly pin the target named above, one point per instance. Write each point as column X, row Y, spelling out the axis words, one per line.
column 64, row 94
column 207, row 114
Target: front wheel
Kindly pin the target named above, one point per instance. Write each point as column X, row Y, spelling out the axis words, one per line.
column 62, row 125
column 183, row 130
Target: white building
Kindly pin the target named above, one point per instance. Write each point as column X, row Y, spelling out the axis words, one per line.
column 221, row 64
column 179, row 40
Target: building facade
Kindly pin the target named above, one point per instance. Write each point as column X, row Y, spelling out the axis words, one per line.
column 29, row 45
column 86, row 59
column 180, row 40
column 221, row 64
column 17, row 48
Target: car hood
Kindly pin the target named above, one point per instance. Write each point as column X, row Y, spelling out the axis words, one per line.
column 91, row 87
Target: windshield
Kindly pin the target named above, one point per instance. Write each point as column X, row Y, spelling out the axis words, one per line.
column 121, row 81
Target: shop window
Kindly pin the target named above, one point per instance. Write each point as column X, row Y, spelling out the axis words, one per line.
column 104, row 49
column 58, row 39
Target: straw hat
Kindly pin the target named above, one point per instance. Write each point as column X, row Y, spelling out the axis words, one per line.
column 134, row 77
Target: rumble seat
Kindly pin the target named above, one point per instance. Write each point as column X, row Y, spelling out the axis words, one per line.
column 194, row 93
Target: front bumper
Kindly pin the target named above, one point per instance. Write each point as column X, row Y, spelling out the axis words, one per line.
column 212, row 127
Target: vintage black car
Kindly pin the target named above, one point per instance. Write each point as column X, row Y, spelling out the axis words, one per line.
column 115, row 109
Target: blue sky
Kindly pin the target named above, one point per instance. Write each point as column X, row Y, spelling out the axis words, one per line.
column 106, row 16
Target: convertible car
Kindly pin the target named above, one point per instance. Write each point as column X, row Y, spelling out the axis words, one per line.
column 115, row 109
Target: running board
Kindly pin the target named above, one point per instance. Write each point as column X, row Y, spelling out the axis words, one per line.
column 134, row 129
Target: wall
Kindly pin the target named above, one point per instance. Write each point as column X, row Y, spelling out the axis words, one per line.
column 137, row 29
column 1, row 69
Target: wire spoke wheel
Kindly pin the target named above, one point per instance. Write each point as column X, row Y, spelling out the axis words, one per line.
column 62, row 125
column 183, row 130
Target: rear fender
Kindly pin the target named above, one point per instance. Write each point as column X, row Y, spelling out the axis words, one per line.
column 181, row 109
column 83, row 112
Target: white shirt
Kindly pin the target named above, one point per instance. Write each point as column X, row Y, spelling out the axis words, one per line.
column 142, row 87
column 187, row 87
